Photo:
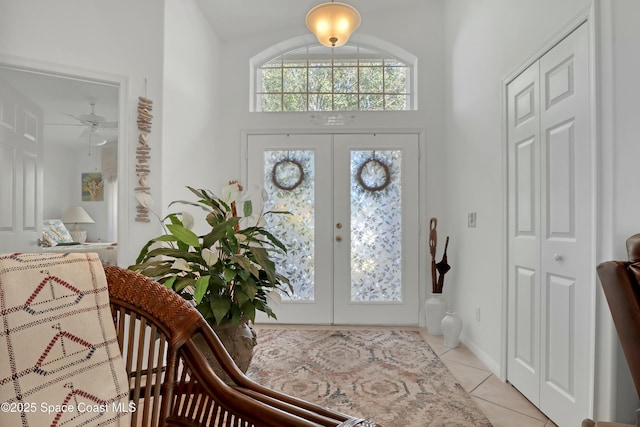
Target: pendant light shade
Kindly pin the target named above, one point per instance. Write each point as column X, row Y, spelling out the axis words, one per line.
column 333, row 23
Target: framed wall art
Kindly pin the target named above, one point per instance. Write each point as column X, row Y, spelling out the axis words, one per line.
column 92, row 187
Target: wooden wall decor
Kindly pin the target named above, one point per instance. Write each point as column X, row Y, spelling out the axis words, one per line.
column 143, row 154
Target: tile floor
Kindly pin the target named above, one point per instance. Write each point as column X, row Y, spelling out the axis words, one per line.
column 503, row 405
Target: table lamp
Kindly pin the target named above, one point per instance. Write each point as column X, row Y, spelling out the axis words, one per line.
column 77, row 215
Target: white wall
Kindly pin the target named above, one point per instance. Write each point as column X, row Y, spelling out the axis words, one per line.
column 116, row 37
column 191, row 112
column 619, row 205
column 484, row 43
column 59, row 180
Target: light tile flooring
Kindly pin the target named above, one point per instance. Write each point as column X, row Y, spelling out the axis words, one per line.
column 501, row 403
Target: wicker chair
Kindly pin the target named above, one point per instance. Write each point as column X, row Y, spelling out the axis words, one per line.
column 171, row 382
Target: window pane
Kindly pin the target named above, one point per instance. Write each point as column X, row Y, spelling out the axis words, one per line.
column 295, row 102
column 275, row 62
column 270, row 102
column 320, row 102
column 376, row 226
column 371, row 102
column 371, row 80
column 396, row 102
column 345, row 62
column 294, row 80
column 345, row 102
column 294, row 63
column 345, row 79
column 320, row 80
column 296, row 230
column 370, row 62
column 271, row 79
column 395, row 79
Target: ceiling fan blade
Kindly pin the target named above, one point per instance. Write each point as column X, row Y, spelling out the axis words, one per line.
column 64, row 124
column 92, row 118
column 109, row 124
column 84, row 122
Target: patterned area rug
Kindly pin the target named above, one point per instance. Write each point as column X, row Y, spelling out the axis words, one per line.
column 391, row 377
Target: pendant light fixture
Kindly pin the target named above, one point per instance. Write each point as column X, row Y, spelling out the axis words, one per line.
column 333, row 23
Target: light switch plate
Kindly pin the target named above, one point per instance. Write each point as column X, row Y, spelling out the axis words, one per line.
column 471, row 220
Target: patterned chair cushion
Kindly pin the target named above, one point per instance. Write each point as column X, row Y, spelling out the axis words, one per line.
column 60, row 364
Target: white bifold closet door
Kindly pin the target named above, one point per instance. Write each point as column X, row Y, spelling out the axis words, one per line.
column 550, row 335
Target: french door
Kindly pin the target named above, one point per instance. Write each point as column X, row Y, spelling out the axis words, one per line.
column 352, row 235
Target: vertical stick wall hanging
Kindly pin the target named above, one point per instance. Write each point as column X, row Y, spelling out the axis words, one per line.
column 143, row 154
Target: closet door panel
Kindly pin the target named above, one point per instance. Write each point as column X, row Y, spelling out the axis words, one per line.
column 523, row 361
column 566, row 230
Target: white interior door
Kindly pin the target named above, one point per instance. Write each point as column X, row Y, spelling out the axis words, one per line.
column 21, row 191
column 353, row 246
column 524, row 233
column 551, row 339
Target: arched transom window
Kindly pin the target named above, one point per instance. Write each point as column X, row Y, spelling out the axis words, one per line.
column 319, row 78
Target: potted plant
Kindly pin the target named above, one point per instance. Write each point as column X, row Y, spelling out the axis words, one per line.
column 227, row 273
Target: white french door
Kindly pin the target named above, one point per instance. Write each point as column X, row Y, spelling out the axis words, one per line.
column 352, row 238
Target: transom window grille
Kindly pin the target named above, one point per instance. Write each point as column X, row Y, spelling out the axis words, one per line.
column 319, row 78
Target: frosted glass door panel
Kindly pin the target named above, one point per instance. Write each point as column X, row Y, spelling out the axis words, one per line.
column 289, row 183
column 376, row 226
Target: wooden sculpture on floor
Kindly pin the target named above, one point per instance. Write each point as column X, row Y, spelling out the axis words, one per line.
column 438, row 270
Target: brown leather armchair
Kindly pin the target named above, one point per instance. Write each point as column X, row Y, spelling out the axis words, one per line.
column 621, row 284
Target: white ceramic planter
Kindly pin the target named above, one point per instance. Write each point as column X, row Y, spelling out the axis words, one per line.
column 435, row 308
column 451, row 326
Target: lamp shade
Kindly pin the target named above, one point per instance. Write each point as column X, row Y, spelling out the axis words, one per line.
column 77, row 215
column 333, row 23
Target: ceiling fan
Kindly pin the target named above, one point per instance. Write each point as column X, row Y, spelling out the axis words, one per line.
column 97, row 128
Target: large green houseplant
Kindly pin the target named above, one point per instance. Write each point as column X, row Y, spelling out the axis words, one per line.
column 226, row 272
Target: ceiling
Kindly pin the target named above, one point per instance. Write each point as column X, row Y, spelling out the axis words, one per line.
column 61, row 95
column 235, row 19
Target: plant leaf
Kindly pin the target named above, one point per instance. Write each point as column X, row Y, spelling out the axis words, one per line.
column 184, row 235
column 170, row 281
column 247, row 208
column 246, row 264
column 229, row 274
column 202, row 284
column 220, row 307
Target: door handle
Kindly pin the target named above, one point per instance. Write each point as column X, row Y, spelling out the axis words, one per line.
column 558, row 257
column 338, row 238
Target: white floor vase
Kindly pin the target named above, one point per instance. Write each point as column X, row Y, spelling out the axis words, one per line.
column 451, row 326
column 435, row 308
